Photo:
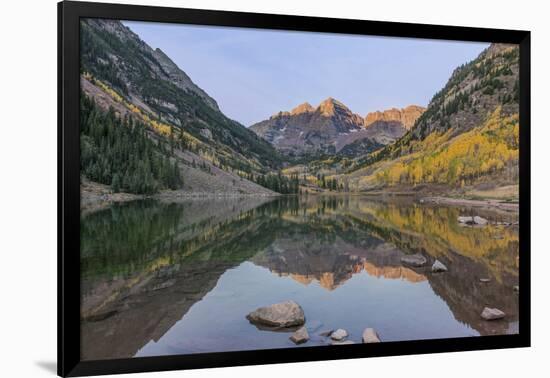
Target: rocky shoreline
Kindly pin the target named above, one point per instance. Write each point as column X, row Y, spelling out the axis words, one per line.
column 485, row 204
column 95, row 196
column 290, row 316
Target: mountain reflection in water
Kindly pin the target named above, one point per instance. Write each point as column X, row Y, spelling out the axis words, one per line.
column 174, row 278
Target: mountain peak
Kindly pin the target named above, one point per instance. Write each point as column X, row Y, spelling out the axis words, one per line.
column 302, row 108
column 329, row 107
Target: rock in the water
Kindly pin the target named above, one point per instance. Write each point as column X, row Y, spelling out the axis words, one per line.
column 473, row 220
column 300, row 336
column 284, row 314
column 516, row 289
column 485, row 280
column 339, row 334
column 346, row 342
column 492, row 314
column 326, row 333
column 438, row 266
column 370, row 336
column 466, row 220
column 481, row 221
column 414, row 260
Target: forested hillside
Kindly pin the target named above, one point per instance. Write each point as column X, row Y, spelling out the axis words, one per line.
column 181, row 126
column 468, row 135
column 119, row 153
column 148, row 79
column 487, row 152
column 147, row 127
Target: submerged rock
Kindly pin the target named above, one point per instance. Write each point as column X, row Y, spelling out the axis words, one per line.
column 414, row 260
column 300, row 336
column 492, row 314
column 339, row 334
column 476, row 220
column 466, row 220
column 326, row 333
column 438, row 266
column 284, row 314
column 370, row 336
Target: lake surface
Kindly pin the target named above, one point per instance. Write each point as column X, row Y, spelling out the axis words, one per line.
column 176, row 278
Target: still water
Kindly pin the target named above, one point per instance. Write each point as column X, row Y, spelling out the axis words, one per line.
column 177, row 278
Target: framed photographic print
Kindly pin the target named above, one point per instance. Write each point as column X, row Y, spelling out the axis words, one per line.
column 239, row 188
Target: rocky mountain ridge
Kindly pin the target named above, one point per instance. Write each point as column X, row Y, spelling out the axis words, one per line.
column 149, row 80
column 213, row 154
column 332, row 128
column 406, row 116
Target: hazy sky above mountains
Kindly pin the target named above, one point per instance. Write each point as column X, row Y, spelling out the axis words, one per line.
column 253, row 73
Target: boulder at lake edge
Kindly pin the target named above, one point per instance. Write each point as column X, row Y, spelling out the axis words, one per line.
column 300, row 336
column 326, row 333
column 284, row 314
column 339, row 334
column 481, row 221
column 492, row 314
column 416, row 260
column 465, row 220
column 476, row 220
column 370, row 336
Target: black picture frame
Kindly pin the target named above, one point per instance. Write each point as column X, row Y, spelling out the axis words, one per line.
column 69, row 14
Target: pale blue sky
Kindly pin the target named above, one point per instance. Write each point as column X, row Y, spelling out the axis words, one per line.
column 254, row 73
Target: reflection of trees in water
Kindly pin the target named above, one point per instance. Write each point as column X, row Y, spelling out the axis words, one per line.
column 361, row 228
column 144, row 264
column 435, row 231
column 466, row 296
column 136, row 296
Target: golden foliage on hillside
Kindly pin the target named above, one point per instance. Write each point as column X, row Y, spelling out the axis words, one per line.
column 173, row 133
column 489, row 149
column 147, row 118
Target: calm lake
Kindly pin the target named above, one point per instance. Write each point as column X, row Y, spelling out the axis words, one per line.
column 176, row 278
